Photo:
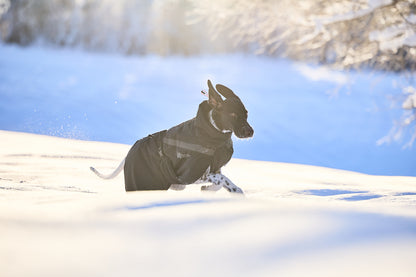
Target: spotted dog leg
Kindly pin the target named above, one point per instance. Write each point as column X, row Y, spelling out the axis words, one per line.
column 218, row 181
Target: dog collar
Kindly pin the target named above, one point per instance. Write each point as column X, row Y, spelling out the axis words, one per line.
column 211, row 120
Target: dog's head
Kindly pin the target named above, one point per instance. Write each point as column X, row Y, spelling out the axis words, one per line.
column 229, row 114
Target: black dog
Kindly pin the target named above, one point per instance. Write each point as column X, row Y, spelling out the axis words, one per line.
column 193, row 151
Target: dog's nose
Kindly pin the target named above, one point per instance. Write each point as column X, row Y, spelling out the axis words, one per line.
column 248, row 131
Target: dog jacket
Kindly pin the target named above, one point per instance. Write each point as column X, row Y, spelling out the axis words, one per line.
column 180, row 155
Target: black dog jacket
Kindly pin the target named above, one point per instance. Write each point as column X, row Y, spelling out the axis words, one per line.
column 180, row 155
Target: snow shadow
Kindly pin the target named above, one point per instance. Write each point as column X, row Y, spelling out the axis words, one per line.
column 29, row 187
column 329, row 192
column 405, row 194
column 359, row 195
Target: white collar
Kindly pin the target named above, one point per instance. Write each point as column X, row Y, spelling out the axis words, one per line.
column 211, row 120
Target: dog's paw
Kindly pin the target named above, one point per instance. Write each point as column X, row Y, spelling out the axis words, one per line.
column 232, row 188
column 212, row 187
column 235, row 190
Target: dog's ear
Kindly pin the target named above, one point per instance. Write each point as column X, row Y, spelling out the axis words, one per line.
column 214, row 99
column 226, row 92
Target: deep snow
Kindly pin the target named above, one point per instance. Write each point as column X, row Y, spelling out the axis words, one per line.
column 58, row 219
column 301, row 114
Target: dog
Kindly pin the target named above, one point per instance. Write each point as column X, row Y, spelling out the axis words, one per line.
column 191, row 152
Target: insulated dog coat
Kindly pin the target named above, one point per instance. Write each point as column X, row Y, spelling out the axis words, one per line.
column 180, row 155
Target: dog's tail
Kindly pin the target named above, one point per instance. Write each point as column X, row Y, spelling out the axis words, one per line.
column 111, row 175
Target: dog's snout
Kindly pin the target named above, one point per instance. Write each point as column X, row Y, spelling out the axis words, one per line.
column 245, row 131
column 248, row 131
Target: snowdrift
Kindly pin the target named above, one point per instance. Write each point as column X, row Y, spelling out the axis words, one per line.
column 114, row 98
column 59, row 219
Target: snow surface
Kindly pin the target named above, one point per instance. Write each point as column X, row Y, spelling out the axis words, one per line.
column 300, row 113
column 58, row 219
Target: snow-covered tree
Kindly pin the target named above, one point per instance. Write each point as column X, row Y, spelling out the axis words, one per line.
column 126, row 26
column 346, row 34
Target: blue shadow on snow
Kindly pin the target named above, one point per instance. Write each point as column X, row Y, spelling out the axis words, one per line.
column 360, row 194
column 329, row 192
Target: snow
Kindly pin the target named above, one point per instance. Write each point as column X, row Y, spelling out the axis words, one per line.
column 392, row 38
column 411, row 18
column 372, row 5
column 73, row 110
column 410, row 102
column 322, row 74
column 57, row 218
column 62, row 111
column 300, row 113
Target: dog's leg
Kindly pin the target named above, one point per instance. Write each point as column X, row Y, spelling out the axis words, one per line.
column 218, row 181
column 216, row 184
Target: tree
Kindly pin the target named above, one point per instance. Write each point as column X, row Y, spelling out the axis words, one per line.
column 126, row 26
column 345, row 34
